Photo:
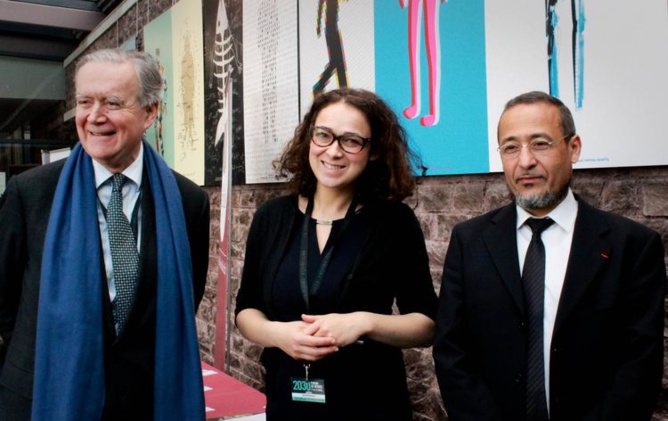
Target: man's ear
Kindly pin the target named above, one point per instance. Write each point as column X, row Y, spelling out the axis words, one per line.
column 575, row 147
column 151, row 115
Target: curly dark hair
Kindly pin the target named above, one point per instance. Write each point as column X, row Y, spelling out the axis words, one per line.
column 389, row 177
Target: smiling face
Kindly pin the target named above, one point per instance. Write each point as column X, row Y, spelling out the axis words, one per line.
column 109, row 118
column 539, row 182
column 332, row 166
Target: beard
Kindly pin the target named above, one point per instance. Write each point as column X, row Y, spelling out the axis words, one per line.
column 546, row 200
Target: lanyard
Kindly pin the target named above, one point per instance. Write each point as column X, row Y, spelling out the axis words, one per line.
column 303, row 254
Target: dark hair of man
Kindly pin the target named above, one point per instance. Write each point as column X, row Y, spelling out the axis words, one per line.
column 147, row 68
column 537, row 97
column 388, row 177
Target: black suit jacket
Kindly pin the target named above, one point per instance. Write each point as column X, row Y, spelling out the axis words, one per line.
column 129, row 358
column 607, row 344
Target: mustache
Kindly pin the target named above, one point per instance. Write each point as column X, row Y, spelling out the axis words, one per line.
column 529, row 174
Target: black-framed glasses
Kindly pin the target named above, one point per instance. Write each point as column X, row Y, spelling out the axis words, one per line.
column 538, row 146
column 349, row 142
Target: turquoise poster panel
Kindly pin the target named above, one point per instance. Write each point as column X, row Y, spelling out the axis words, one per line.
column 448, row 124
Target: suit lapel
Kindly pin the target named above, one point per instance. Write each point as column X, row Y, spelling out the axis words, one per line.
column 504, row 253
column 589, row 253
column 147, row 252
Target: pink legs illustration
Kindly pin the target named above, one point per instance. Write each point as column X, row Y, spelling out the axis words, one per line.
column 432, row 38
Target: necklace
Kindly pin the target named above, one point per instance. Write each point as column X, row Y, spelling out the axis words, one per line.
column 328, row 222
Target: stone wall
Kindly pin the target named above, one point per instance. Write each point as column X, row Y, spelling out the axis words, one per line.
column 639, row 193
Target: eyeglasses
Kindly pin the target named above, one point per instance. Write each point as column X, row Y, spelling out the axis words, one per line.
column 538, row 147
column 350, row 143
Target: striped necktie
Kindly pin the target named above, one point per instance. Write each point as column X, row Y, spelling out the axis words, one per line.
column 533, row 281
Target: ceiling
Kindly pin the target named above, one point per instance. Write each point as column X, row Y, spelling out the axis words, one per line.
column 36, row 32
column 48, row 29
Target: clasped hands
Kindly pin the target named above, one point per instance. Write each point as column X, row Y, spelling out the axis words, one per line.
column 315, row 337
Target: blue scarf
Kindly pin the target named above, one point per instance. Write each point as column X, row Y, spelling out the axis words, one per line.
column 69, row 360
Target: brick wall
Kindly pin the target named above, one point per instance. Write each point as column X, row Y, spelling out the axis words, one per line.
column 638, row 193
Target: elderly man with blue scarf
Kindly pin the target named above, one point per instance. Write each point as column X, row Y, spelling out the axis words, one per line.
column 91, row 332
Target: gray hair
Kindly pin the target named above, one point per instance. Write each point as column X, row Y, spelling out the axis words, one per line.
column 536, row 97
column 147, row 67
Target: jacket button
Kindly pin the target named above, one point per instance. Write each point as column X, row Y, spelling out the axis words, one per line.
column 519, row 377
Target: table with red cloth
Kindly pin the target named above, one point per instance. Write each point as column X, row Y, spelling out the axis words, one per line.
column 227, row 397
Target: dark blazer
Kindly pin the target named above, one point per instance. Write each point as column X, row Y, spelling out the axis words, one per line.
column 607, row 344
column 24, row 215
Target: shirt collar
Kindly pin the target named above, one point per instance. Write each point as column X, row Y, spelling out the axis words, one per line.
column 563, row 215
column 133, row 171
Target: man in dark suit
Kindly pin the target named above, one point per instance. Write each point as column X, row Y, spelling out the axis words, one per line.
column 599, row 313
column 68, row 352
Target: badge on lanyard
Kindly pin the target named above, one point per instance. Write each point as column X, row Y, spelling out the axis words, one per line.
column 308, row 390
column 305, row 389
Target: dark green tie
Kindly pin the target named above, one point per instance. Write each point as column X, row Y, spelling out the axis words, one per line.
column 124, row 255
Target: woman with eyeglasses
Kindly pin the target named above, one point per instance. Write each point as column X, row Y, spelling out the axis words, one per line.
column 326, row 266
